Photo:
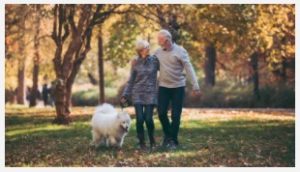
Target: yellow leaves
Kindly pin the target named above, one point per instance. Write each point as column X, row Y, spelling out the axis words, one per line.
column 269, row 41
column 290, row 49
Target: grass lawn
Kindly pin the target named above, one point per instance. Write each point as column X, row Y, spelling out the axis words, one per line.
column 208, row 137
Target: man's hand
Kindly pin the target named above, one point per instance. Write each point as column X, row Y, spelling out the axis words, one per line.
column 197, row 93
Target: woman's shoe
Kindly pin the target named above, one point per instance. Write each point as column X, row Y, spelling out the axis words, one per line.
column 142, row 146
column 152, row 145
column 152, row 141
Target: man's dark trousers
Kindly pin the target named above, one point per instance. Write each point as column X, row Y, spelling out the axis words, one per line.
column 174, row 96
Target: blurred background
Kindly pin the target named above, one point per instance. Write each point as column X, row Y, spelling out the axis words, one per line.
column 244, row 55
column 63, row 59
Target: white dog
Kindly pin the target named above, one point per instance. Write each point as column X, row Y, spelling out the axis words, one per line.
column 109, row 126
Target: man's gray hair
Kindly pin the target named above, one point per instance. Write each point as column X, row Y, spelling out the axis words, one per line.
column 165, row 33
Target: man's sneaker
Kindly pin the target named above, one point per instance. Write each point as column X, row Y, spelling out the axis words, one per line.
column 176, row 142
column 172, row 145
column 165, row 142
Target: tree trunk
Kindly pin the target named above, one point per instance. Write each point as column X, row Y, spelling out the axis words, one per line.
column 21, row 82
column 255, row 76
column 100, row 70
column 21, row 68
column 35, row 73
column 62, row 109
column 69, row 97
column 92, row 79
column 170, row 23
column 34, row 91
column 21, row 74
column 67, row 64
column 63, row 90
column 283, row 70
column 210, row 64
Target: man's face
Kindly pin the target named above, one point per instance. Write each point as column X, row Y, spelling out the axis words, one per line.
column 161, row 40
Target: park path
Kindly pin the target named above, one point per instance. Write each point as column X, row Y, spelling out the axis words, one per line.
column 187, row 113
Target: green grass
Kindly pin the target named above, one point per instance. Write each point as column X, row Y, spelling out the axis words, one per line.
column 31, row 140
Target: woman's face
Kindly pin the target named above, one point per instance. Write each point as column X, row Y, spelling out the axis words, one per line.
column 144, row 52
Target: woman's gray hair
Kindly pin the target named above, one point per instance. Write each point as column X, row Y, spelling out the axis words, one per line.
column 165, row 33
column 141, row 44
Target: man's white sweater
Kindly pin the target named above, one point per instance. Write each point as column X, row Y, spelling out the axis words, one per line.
column 172, row 63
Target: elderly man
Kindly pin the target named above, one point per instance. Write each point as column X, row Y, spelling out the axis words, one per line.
column 173, row 60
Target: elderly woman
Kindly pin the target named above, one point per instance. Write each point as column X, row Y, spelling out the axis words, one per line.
column 142, row 89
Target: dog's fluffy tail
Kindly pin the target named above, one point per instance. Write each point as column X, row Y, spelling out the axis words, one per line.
column 105, row 109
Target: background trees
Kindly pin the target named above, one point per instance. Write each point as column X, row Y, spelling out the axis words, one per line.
column 86, row 50
column 15, row 38
column 79, row 33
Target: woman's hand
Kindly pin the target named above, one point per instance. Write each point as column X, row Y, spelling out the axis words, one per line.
column 123, row 99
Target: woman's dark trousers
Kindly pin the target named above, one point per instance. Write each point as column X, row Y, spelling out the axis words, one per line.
column 144, row 114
